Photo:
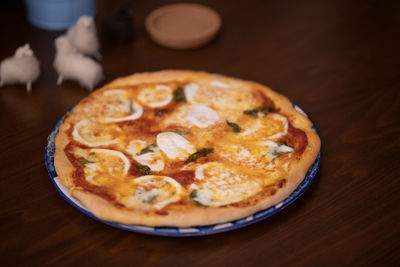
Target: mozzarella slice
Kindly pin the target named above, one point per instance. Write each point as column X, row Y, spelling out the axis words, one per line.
column 103, row 166
column 264, row 126
column 190, row 91
column 199, row 174
column 154, row 191
column 153, row 160
column 137, row 113
column 174, row 145
column 88, row 134
column 219, row 185
column 159, row 96
column 110, row 156
column 253, row 128
column 202, row 116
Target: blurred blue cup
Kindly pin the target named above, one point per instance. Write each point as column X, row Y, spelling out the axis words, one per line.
column 58, row 14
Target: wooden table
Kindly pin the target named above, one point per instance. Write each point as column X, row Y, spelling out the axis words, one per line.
column 338, row 60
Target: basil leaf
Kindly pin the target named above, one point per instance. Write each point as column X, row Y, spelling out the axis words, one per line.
column 148, row 149
column 84, row 161
column 179, row 95
column 235, row 128
column 277, row 154
column 264, row 110
column 150, row 199
column 198, row 204
column 131, row 108
column 181, row 132
column 282, row 143
column 201, row 153
column 192, row 197
column 193, row 194
column 252, row 112
column 160, row 112
column 143, row 169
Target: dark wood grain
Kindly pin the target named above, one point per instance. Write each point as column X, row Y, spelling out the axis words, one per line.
column 338, row 60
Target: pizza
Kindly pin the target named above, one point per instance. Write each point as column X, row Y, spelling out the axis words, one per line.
column 183, row 148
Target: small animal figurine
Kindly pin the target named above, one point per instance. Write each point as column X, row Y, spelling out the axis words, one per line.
column 72, row 65
column 83, row 36
column 23, row 67
column 119, row 26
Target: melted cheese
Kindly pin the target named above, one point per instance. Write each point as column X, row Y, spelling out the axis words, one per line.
column 136, row 114
column 103, row 166
column 201, row 116
column 198, row 115
column 119, row 93
column 90, row 179
column 274, row 149
column 190, row 91
column 285, row 125
column 153, row 191
column 248, row 154
column 174, row 145
column 252, row 128
column 274, row 126
column 90, row 134
column 135, row 147
column 219, row 84
column 226, row 98
column 159, row 96
column 221, row 185
column 110, row 155
column 153, row 160
column 115, row 105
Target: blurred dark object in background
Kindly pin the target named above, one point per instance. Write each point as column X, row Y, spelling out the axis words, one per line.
column 118, row 27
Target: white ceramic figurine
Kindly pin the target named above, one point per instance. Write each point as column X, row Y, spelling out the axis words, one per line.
column 72, row 65
column 23, row 67
column 83, row 35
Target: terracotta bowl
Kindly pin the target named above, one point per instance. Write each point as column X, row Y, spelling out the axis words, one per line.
column 183, row 26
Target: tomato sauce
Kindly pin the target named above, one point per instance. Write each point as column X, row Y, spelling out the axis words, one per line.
column 297, row 139
column 185, row 178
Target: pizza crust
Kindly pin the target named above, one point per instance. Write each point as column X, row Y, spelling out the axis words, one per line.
column 63, row 166
column 185, row 216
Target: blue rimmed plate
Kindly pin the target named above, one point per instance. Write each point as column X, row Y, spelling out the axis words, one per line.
column 176, row 231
